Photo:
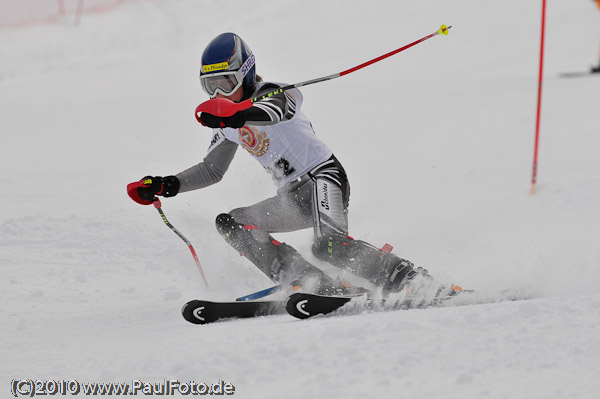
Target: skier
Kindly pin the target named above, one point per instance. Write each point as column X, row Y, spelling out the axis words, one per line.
column 313, row 189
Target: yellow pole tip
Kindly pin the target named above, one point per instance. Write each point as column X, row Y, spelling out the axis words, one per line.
column 443, row 30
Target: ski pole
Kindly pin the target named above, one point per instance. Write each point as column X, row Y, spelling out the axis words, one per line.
column 157, row 205
column 223, row 107
column 259, row 294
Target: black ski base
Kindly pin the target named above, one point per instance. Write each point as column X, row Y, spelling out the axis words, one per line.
column 302, row 305
column 203, row 312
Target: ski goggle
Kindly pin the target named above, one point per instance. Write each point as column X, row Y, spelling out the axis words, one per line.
column 227, row 82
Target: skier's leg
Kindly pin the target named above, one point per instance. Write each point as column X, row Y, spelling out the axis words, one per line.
column 289, row 210
column 243, row 229
column 332, row 243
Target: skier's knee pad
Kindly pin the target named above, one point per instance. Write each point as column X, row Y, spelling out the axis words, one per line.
column 225, row 224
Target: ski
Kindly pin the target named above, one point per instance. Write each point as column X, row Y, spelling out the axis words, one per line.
column 303, row 305
column 203, row 312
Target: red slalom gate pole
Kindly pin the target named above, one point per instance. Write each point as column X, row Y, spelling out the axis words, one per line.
column 539, row 103
column 61, row 7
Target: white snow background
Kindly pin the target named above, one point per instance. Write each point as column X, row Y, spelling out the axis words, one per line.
column 438, row 143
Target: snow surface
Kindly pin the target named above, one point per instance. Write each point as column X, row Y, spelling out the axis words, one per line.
column 438, row 144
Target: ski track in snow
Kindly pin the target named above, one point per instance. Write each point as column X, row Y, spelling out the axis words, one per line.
column 93, row 284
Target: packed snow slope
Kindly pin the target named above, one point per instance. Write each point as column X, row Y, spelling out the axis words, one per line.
column 438, row 144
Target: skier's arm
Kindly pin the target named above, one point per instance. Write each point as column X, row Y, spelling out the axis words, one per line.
column 267, row 111
column 270, row 110
column 211, row 170
column 207, row 172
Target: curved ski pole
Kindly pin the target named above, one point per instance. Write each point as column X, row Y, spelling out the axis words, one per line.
column 157, row 205
column 223, row 107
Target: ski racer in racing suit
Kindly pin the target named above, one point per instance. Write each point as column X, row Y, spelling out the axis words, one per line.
column 313, row 189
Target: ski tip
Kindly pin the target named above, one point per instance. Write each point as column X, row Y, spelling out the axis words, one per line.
column 192, row 312
column 444, row 30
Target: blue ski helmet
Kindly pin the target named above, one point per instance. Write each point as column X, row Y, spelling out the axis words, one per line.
column 227, row 65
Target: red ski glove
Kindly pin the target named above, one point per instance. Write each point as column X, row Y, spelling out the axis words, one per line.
column 144, row 191
column 237, row 120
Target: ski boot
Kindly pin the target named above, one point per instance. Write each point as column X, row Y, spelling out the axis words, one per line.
column 379, row 266
column 397, row 272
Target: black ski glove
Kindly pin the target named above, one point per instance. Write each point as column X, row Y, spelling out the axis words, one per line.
column 237, row 120
column 144, row 191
